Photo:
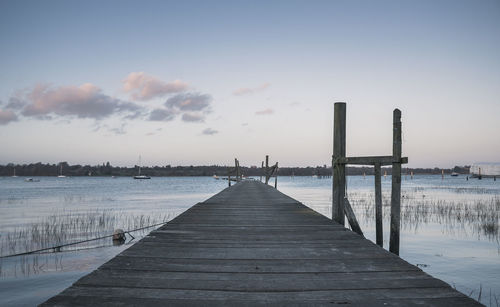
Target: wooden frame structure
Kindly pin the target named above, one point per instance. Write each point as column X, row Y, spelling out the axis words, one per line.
column 270, row 172
column 340, row 203
column 236, row 171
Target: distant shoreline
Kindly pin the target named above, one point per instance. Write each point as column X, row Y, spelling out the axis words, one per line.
column 107, row 170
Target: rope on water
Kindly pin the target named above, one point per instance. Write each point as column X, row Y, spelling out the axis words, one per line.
column 57, row 248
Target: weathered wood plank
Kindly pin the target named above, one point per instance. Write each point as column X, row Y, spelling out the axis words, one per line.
column 367, row 264
column 346, row 294
column 144, row 302
column 372, row 160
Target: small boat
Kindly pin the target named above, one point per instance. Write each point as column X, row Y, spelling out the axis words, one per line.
column 216, row 177
column 31, row 180
column 454, row 174
column 60, row 172
column 139, row 176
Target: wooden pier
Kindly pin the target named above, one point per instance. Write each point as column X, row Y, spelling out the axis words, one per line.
column 252, row 245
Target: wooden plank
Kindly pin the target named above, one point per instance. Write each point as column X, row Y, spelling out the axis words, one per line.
column 223, row 252
column 263, row 266
column 151, row 301
column 372, row 160
column 338, row 192
column 346, row 294
column 257, row 282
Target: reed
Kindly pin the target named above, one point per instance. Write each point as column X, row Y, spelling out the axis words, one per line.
column 478, row 217
column 58, row 229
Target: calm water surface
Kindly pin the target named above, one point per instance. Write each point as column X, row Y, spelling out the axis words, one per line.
column 449, row 227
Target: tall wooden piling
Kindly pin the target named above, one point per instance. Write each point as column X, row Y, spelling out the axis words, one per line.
column 237, row 168
column 276, row 176
column 339, row 124
column 261, row 169
column 267, row 169
column 378, row 206
column 396, row 183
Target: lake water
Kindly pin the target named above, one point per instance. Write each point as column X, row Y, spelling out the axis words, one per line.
column 449, row 227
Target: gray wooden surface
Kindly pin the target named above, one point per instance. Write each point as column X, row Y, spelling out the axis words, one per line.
column 252, row 245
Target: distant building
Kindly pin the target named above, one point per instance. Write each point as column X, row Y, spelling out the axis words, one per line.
column 485, row 169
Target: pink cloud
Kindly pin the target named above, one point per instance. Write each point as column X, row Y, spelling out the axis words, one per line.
column 141, row 86
column 84, row 101
column 248, row 90
column 7, row 116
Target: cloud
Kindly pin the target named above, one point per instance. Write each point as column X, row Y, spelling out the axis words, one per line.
column 162, row 115
column 154, row 132
column 209, row 131
column 192, row 106
column 248, row 90
column 294, row 104
column 141, row 86
column 193, row 117
column 189, row 102
column 265, row 112
column 84, row 101
column 15, row 103
column 119, row 130
column 7, row 116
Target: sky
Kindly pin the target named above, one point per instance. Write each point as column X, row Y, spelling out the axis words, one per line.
column 203, row 82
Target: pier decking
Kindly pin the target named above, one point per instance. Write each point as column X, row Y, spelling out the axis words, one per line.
column 252, row 245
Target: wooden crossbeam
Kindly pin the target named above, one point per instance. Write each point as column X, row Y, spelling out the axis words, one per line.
column 371, row 160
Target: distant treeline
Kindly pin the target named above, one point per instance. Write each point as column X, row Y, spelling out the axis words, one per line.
column 106, row 169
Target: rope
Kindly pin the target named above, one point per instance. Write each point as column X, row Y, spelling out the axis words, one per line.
column 57, row 248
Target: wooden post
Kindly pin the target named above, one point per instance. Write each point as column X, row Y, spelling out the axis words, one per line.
column 338, row 168
column 351, row 217
column 261, row 170
column 236, row 168
column 396, row 183
column 267, row 169
column 229, row 179
column 239, row 174
column 276, row 176
column 378, row 206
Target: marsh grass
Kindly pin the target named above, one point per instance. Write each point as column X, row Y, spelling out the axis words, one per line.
column 64, row 228
column 480, row 217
